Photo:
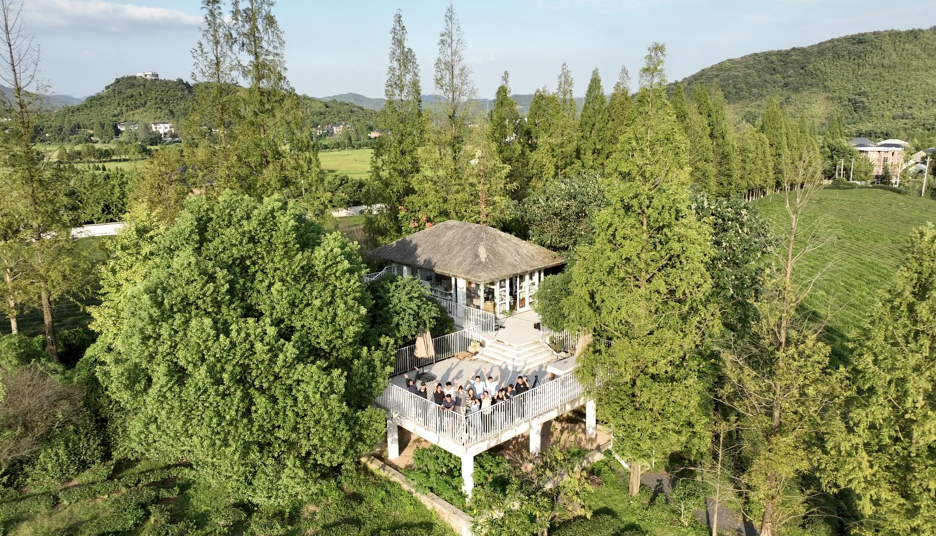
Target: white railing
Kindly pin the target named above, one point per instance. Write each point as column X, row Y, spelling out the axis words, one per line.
column 389, row 270
column 470, row 317
column 470, row 429
column 561, row 341
column 446, row 346
column 402, row 403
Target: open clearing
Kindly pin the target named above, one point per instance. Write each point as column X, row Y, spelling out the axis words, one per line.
column 355, row 163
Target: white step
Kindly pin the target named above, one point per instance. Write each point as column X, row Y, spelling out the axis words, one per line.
column 517, row 358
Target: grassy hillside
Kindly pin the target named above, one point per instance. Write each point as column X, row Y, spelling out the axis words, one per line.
column 880, row 82
column 866, row 231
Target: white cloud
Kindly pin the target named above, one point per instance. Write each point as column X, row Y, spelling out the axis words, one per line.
column 111, row 17
column 487, row 57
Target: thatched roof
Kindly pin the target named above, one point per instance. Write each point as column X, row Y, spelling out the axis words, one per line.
column 469, row 251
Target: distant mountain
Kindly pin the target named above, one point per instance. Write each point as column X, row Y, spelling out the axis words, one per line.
column 881, row 83
column 57, row 101
column 355, row 98
column 523, row 101
column 51, row 102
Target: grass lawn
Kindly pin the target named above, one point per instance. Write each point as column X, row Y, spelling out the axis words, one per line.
column 615, row 512
column 866, row 230
column 127, row 165
column 355, row 162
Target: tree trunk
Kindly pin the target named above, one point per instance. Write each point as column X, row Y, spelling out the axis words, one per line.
column 51, row 345
column 634, row 484
column 11, row 301
column 767, row 522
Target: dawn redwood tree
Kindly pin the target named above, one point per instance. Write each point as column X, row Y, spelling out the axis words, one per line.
column 644, row 286
column 619, row 109
column 594, row 126
column 395, row 160
column 778, row 382
column 883, row 449
column 509, row 133
column 239, row 339
column 41, row 262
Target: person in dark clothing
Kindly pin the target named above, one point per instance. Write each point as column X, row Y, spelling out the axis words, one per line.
column 411, row 387
column 423, row 392
column 522, row 386
column 448, row 404
column 438, row 396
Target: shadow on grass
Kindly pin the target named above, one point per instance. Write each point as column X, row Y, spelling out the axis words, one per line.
column 603, row 522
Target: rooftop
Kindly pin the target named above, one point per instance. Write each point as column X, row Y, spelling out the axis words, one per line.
column 469, row 251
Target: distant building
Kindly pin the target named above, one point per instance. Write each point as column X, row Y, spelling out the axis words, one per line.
column 148, row 75
column 373, row 134
column 887, row 154
column 123, row 127
column 162, row 128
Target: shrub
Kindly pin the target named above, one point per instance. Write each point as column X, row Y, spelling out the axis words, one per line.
column 439, row 472
column 66, row 453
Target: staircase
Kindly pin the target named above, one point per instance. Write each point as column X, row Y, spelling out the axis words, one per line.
column 527, row 356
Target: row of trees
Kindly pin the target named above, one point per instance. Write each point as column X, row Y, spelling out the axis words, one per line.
column 709, row 359
column 450, row 161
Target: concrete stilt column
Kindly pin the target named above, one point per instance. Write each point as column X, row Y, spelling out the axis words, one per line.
column 393, row 440
column 590, row 419
column 468, row 473
column 536, row 437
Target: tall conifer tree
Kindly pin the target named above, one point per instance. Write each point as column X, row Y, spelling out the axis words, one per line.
column 395, row 160
column 594, row 126
column 884, row 448
column 619, row 109
column 643, row 285
column 508, row 132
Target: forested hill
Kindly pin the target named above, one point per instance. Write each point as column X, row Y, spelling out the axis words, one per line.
column 881, row 83
column 149, row 101
column 127, row 99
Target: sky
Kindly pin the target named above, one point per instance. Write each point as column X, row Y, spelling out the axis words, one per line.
column 341, row 47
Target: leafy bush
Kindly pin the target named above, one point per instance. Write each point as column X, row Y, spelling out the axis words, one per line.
column 19, row 350
column 439, row 472
column 26, row 506
column 66, row 453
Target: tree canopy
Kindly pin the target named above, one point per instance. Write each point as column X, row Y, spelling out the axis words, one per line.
column 238, row 338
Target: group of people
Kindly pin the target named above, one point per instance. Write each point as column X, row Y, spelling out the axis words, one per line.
column 480, row 395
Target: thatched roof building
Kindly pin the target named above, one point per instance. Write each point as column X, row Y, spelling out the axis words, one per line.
column 468, row 251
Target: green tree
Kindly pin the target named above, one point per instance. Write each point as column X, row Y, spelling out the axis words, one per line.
column 594, row 127
column 550, row 488
column 619, row 108
column 778, row 382
column 508, row 131
column 643, row 285
column 756, row 162
column 395, row 160
column 560, row 214
column 38, row 192
column 454, row 89
column 236, row 339
column 883, row 449
column 724, row 147
column 553, row 136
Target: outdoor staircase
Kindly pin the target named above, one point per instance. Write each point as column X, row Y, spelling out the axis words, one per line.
column 527, row 356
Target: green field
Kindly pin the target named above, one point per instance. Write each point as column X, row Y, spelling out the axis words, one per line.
column 866, row 230
column 355, row 162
